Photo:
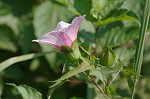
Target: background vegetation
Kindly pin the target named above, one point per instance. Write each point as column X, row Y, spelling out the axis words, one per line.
column 114, row 23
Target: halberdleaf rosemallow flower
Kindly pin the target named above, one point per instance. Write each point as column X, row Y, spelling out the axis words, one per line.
column 63, row 37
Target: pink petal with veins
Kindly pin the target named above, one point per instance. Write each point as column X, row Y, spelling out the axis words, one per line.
column 55, row 38
column 72, row 30
column 63, row 34
column 61, row 25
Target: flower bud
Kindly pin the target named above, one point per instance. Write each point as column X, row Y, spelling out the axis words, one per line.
column 107, row 57
column 72, row 53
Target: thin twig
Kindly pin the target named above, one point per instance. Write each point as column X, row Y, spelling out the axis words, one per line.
column 94, row 82
column 114, row 78
column 79, row 81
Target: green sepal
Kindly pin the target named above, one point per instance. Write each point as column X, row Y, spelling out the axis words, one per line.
column 72, row 53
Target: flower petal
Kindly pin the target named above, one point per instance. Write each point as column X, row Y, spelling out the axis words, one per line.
column 61, row 25
column 57, row 39
column 72, row 30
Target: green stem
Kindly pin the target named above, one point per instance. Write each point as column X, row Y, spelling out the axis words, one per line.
column 140, row 46
column 16, row 59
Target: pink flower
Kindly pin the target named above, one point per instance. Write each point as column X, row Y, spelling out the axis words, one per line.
column 63, row 34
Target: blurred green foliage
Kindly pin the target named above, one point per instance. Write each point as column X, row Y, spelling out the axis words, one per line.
column 115, row 23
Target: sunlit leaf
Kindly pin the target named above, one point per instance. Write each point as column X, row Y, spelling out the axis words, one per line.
column 115, row 36
column 86, row 33
column 27, row 92
column 7, row 39
column 111, row 5
column 64, row 2
column 11, row 21
column 97, row 7
column 4, row 8
column 124, row 54
column 103, row 73
column 119, row 15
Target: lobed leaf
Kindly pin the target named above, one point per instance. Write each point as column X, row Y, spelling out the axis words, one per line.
column 85, row 65
column 103, row 73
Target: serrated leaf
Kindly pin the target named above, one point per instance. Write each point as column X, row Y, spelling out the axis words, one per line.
column 119, row 15
column 124, row 54
column 115, row 36
column 111, row 5
column 103, row 73
column 27, row 92
column 46, row 17
column 81, row 68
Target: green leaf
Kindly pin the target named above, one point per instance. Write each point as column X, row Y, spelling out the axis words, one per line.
column 45, row 20
column 103, row 73
column 13, row 60
column 97, row 7
column 64, row 2
column 51, row 90
column 129, row 72
column 81, row 7
column 111, row 5
column 119, row 15
column 27, row 92
column 11, row 21
column 75, row 98
column 1, row 85
column 116, row 36
column 81, row 68
column 124, row 54
column 86, row 33
column 4, row 8
column 27, row 34
column 7, row 39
